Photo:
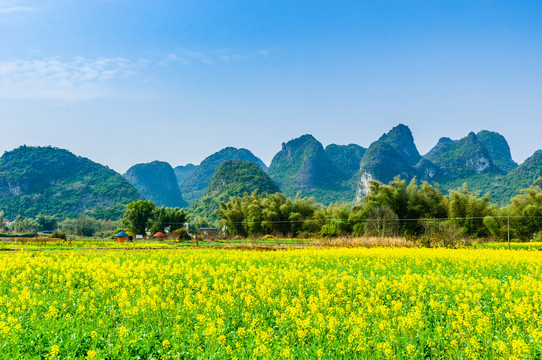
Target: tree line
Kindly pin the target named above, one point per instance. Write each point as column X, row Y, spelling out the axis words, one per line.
column 396, row 208
column 140, row 217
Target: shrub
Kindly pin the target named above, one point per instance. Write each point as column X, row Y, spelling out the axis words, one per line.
column 180, row 234
column 58, row 235
column 329, row 230
column 359, row 229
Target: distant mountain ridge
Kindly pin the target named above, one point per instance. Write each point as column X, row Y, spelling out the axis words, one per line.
column 232, row 178
column 345, row 159
column 53, row 181
column 196, row 182
column 304, row 167
column 462, row 158
column 382, row 162
column 183, row 171
column 519, row 178
column 301, row 165
column 498, row 149
column 156, row 181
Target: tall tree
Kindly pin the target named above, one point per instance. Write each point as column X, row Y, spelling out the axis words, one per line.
column 47, row 223
column 138, row 215
column 468, row 210
column 168, row 219
column 526, row 210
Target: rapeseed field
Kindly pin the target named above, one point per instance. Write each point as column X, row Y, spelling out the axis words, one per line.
column 355, row 303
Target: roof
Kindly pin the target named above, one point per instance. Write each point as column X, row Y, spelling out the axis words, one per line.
column 159, row 234
column 122, row 234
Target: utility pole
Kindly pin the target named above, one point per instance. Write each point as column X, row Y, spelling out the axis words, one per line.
column 508, row 232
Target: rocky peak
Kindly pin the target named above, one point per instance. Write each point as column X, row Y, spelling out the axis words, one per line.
column 382, row 162
column 498, row 150
column 401, row 139
column 461, row 158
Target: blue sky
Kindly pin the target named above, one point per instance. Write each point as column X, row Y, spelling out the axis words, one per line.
column 124, row 82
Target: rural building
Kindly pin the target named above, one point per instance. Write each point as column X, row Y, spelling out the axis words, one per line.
column 122, row 237
column 159, row 236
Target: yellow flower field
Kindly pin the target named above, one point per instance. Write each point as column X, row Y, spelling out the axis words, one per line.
column 299, row 304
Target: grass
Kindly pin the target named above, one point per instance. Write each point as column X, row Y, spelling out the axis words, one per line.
column 513, row 245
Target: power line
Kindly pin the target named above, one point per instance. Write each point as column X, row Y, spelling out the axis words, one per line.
column 366, row 220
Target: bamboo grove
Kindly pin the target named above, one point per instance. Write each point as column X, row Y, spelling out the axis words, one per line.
column 396, row 208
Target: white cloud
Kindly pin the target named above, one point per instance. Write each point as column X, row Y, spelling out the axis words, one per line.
column 185, row 56
column 11, row 6
column 58, row 78
column 227, row 57
column 54, row 78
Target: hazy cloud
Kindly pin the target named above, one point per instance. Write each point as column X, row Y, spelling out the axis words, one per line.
column 54, row 78
column 185, row 56
column 11, row 6
column 85, row 78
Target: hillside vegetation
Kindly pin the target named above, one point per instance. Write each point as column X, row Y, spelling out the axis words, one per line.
column 194, row 185
column 232, row 178
column 51, row 181
column 156, row 181
column 54, row 181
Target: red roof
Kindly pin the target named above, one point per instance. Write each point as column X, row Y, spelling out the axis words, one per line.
column 159, row 234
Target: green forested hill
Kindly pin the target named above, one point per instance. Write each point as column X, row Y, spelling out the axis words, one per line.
column 156, row 181
column 303, row 166
column 483, row 162
column 521, row 177
column 498, row 150
column 54, row 181
column 194, row 185
column 462, row 158
column 345, row 158
column 382, row 162
column 232, row 178
column 183, row 171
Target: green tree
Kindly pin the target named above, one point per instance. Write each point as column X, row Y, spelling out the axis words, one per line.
column 82, row 225
column 24, row 225
column 167, row 220
column 406, row 202
column 232, row 215
column 423, row 202
column 526, row 212
column 333, row 220
column 276, row 209
column 267, row 214
column 468, row 211
column 46, row 223
column 138, row 216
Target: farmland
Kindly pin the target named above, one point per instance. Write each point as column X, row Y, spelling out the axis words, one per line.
column 308, row 303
